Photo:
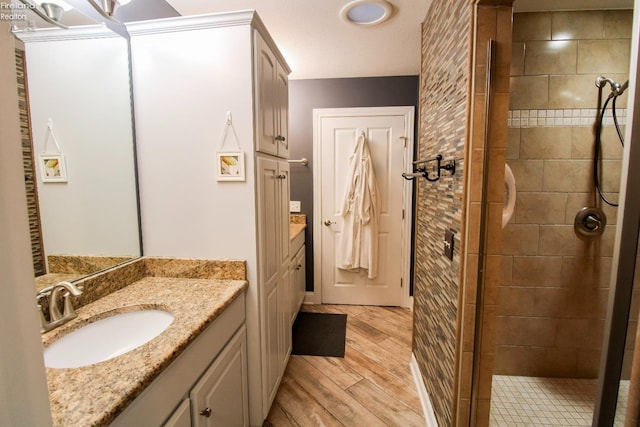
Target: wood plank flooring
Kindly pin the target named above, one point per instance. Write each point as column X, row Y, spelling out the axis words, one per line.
column 372, row 385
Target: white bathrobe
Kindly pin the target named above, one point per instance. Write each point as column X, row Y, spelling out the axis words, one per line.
column 361, row 214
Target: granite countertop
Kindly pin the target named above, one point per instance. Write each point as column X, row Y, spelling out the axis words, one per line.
column 94, row 395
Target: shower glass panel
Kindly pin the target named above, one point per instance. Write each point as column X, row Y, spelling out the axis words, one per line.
column 554, row 286
column 631, row 361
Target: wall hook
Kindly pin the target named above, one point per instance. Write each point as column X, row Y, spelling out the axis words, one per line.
column 422, row 171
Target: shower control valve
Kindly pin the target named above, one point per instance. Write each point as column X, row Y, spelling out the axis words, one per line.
column 590, row 222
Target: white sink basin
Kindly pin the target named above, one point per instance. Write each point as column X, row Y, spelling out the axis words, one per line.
column 106, row 338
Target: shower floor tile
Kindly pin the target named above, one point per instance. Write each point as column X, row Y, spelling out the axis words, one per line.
column 533, row 401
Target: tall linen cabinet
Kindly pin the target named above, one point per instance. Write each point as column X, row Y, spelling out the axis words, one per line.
column 192, row 76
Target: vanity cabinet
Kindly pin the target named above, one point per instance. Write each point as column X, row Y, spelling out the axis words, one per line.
column 191, row 76
column 219, row 398
column 210, row 373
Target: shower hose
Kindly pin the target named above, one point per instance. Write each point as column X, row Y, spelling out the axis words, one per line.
column 598, row 141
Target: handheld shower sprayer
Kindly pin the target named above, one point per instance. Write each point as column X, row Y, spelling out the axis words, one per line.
column 617, row 89
column 624, row 87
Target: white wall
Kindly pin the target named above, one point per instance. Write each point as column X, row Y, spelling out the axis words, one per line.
column 184, row 83
column 24, row 400
column 83, row 86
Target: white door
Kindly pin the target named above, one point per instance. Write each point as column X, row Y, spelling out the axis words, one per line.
column 388, row 131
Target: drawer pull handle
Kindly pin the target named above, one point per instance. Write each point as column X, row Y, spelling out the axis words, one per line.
column 298, row 267
column 206, row 412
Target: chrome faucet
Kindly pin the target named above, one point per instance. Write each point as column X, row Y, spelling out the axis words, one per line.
column 53, row 295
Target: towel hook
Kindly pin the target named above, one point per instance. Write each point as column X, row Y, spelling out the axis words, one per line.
column 422, row 171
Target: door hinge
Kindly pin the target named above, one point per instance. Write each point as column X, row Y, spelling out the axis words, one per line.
column 401, row 282
column 404, row 141
column 402, row 213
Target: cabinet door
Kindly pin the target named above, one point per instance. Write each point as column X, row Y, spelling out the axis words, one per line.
column 181, row 417
column 270, row 221
column 221, row 397
column 267, row 115
column 282, row 108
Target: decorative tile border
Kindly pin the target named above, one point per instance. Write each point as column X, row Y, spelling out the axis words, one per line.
column 562, row 117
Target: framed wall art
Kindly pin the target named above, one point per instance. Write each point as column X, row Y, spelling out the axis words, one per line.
column 230, row 166
column 52, row 168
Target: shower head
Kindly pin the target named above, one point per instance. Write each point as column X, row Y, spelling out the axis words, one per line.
column 616, row 88
column 602, row 80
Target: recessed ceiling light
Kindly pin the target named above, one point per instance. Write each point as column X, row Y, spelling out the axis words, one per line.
column 366, row 12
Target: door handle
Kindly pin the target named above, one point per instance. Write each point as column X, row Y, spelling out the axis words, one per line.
column 328, row 222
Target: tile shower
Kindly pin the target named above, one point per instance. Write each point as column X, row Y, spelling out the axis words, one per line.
column 553, row 291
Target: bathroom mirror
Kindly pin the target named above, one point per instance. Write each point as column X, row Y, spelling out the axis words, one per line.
column 81, row 184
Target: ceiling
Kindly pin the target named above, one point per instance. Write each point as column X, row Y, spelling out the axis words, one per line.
column 317, row 44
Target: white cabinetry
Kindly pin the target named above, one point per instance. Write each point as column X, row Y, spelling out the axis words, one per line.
column 213, row 367
column 220, row 397
column 188, row 72
column 272, row 97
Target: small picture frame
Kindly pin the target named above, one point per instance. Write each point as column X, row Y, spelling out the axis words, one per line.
column 52, row 168
column 230, row 166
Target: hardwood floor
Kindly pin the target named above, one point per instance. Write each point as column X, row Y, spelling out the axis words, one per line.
column 372, row 385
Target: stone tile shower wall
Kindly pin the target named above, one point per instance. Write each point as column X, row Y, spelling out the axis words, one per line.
column 444, row 82
column 37, row 251
column 554, row 286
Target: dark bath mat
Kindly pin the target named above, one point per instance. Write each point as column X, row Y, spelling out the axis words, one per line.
column 319, row 334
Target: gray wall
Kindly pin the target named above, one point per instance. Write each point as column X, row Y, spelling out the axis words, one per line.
column 304, row 96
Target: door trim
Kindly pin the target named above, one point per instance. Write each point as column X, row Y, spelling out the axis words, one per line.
column 408, row 112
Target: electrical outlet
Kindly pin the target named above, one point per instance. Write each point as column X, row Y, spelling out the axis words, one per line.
column 448, row 243
column 294, row 206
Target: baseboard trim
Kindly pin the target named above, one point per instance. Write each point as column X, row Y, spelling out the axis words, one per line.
column 427, row 409
column 310, row 298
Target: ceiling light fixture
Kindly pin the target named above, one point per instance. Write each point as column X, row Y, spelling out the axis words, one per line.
column 366, row 12
column 107, row 8
column 49, row 11
column 52, row 10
